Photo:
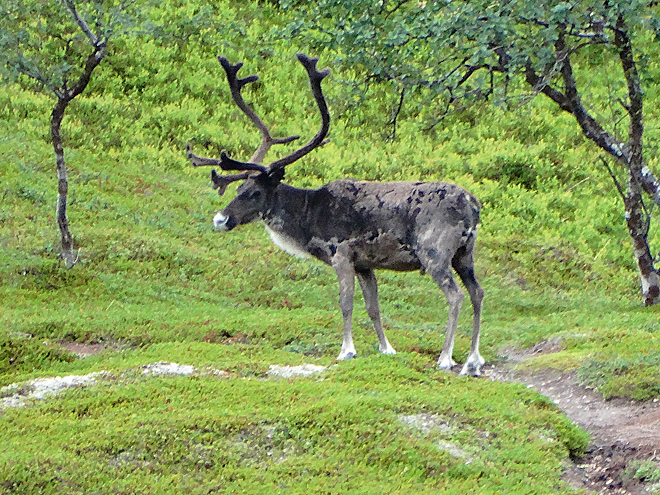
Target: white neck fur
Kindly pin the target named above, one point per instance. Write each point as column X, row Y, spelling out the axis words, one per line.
column 286, row 244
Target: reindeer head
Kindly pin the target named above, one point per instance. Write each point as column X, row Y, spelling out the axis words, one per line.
column 255, row 194
column 253, row 198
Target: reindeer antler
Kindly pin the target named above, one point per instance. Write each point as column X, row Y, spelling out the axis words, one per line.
column 225, row 162
column 220, row 182
column 235, row 85
column 267, row 140
column 315, row 78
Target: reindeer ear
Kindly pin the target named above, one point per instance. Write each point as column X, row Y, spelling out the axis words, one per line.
column 276, row 175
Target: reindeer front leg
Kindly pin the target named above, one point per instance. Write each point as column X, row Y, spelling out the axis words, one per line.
column 369, row 287
column 346, row 275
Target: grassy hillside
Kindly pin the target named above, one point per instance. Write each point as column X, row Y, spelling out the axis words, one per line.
column 155, row 283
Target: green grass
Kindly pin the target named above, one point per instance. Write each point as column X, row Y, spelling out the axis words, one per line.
column 338, row 432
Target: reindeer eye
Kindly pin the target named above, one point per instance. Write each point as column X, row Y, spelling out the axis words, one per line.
column 256, row 194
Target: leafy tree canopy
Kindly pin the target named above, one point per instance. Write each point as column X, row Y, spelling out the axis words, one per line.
column 462, row 48
column 50, row 41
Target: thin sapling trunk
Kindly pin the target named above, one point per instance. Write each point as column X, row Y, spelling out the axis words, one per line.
column 68, row 254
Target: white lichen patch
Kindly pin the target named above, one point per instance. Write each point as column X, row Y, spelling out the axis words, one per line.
column 433, row 423
column 455, row 451
column 291, row 371
column 426, row 423
column 168, row 369
column 17, row 395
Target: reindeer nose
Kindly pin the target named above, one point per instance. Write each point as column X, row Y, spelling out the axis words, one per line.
column 222, row 223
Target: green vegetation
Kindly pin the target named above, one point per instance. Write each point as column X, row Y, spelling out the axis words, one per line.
column 644, row 471
column 338, row 434
column 155, row 283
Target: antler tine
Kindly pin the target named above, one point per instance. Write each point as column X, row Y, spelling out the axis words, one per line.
column 225, row 163
column 198, row 161
column 220, row 182
column 315, row 78
column 235, row 85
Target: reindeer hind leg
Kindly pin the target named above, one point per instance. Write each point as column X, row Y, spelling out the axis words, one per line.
column 435, row 255
column 463, row 263
column 454, row 296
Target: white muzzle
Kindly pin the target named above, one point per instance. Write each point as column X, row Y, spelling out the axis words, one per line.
column 220, row 222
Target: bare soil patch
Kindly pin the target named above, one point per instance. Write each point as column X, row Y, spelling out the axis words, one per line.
column 83, row 350
column 624, row 432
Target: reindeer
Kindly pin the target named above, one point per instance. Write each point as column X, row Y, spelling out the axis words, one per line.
column 356, row 226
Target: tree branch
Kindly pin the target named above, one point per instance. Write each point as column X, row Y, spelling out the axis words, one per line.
column 395, row 114
column 570, row 102
column 33, row 72
column 82, row 24
column 393, row 10
column 540, row 85
column 614, row 179
column 442, row 117
column 624, row 47
column 92, row 62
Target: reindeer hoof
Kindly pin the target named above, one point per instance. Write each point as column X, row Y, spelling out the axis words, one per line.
column 446, row 363
column 343, row 356
column 470, row 369
column 389, row 350
column 472, row 365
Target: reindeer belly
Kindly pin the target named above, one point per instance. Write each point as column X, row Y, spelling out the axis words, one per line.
column 384, row 251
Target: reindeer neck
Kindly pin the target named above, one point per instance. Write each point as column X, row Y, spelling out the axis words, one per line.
column 289, row 210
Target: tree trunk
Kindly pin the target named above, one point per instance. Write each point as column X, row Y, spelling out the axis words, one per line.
column 68, row 253
column 637, row 217
column 637, row 220
column 64, row 97
column 629, row 155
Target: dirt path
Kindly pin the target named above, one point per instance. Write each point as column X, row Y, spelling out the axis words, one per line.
column 622, row 431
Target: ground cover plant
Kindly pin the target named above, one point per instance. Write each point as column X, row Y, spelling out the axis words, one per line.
column 155, row 283
column 348, row 431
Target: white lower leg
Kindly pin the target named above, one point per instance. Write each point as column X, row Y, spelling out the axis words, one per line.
column 454, row 299
column 386, row 348
column 445, row 361
column 473, row 364
column 475, row 361
column 347, row 351
column 347, row 347
column 383, row 344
